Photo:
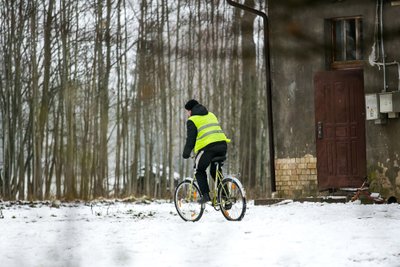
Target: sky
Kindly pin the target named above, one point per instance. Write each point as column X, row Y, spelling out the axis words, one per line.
column 116, row 233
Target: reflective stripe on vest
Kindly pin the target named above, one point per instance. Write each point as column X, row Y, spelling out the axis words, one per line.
column 208, row 130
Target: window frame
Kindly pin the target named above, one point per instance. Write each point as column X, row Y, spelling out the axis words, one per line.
column 345, row 64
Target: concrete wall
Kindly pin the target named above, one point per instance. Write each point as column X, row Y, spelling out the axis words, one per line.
column 298, row 51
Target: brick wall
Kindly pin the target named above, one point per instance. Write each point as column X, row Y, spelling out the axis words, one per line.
column 296, row 177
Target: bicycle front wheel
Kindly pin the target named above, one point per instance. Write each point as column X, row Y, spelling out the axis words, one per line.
column 232, row 199
column 186, row 198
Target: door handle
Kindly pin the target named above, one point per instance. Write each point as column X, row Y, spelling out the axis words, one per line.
column 320, row 132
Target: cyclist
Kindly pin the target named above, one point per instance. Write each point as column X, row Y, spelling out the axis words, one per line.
column 205, row 136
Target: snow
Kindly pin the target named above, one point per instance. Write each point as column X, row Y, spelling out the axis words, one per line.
column 152, row 234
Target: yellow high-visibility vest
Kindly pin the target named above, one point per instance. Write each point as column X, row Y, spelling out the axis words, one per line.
column 208, row 130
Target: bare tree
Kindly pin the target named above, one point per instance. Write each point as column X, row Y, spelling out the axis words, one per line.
column 93, row 107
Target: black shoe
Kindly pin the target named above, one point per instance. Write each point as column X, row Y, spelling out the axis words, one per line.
column 204, row 199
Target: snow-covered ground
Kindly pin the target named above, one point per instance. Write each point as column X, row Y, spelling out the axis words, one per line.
column 128, row 234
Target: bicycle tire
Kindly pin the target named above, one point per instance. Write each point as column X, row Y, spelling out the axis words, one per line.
column 232, row 199
column 186, row 195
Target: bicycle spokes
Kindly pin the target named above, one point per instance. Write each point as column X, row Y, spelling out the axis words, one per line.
column 186, row 201
column 233, row 201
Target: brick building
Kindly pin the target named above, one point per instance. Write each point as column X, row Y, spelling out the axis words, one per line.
column 336, row 95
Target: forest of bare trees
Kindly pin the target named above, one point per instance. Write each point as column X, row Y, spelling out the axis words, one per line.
column 92, row 94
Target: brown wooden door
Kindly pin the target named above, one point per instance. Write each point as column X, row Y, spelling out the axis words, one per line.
column 340, row 128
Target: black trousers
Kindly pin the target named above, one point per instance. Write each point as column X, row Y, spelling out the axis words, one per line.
column 203, row 160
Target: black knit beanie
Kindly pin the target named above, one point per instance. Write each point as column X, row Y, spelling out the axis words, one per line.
column 190, row 104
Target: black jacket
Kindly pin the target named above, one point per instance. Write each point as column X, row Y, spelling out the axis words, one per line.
column 192, row 132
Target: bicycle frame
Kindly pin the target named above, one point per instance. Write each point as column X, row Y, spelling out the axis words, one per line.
column 217, row 184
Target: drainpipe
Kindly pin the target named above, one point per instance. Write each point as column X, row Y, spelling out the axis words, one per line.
column 373, row 60
column 383, row 48
column 269, row 86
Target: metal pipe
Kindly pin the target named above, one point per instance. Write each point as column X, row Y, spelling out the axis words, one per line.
column 382, row 47
column 391, row 64
column 269, row 86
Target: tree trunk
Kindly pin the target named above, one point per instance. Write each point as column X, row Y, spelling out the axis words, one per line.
column 248, row 123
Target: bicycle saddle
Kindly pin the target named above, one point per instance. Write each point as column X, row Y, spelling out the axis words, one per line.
column 218, row 159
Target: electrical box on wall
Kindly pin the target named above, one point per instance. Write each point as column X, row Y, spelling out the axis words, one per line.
column 372, row 106
column 389, row 102
column 395, row 3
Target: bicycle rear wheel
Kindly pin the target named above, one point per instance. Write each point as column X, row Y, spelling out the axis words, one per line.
column 232, row 199
column 186, row 197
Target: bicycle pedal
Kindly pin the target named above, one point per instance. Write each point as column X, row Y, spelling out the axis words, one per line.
column 214, row 205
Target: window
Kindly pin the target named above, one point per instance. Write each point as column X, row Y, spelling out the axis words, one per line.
column 346, row 42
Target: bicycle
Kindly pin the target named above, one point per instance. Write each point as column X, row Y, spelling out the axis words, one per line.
column 228, row 196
